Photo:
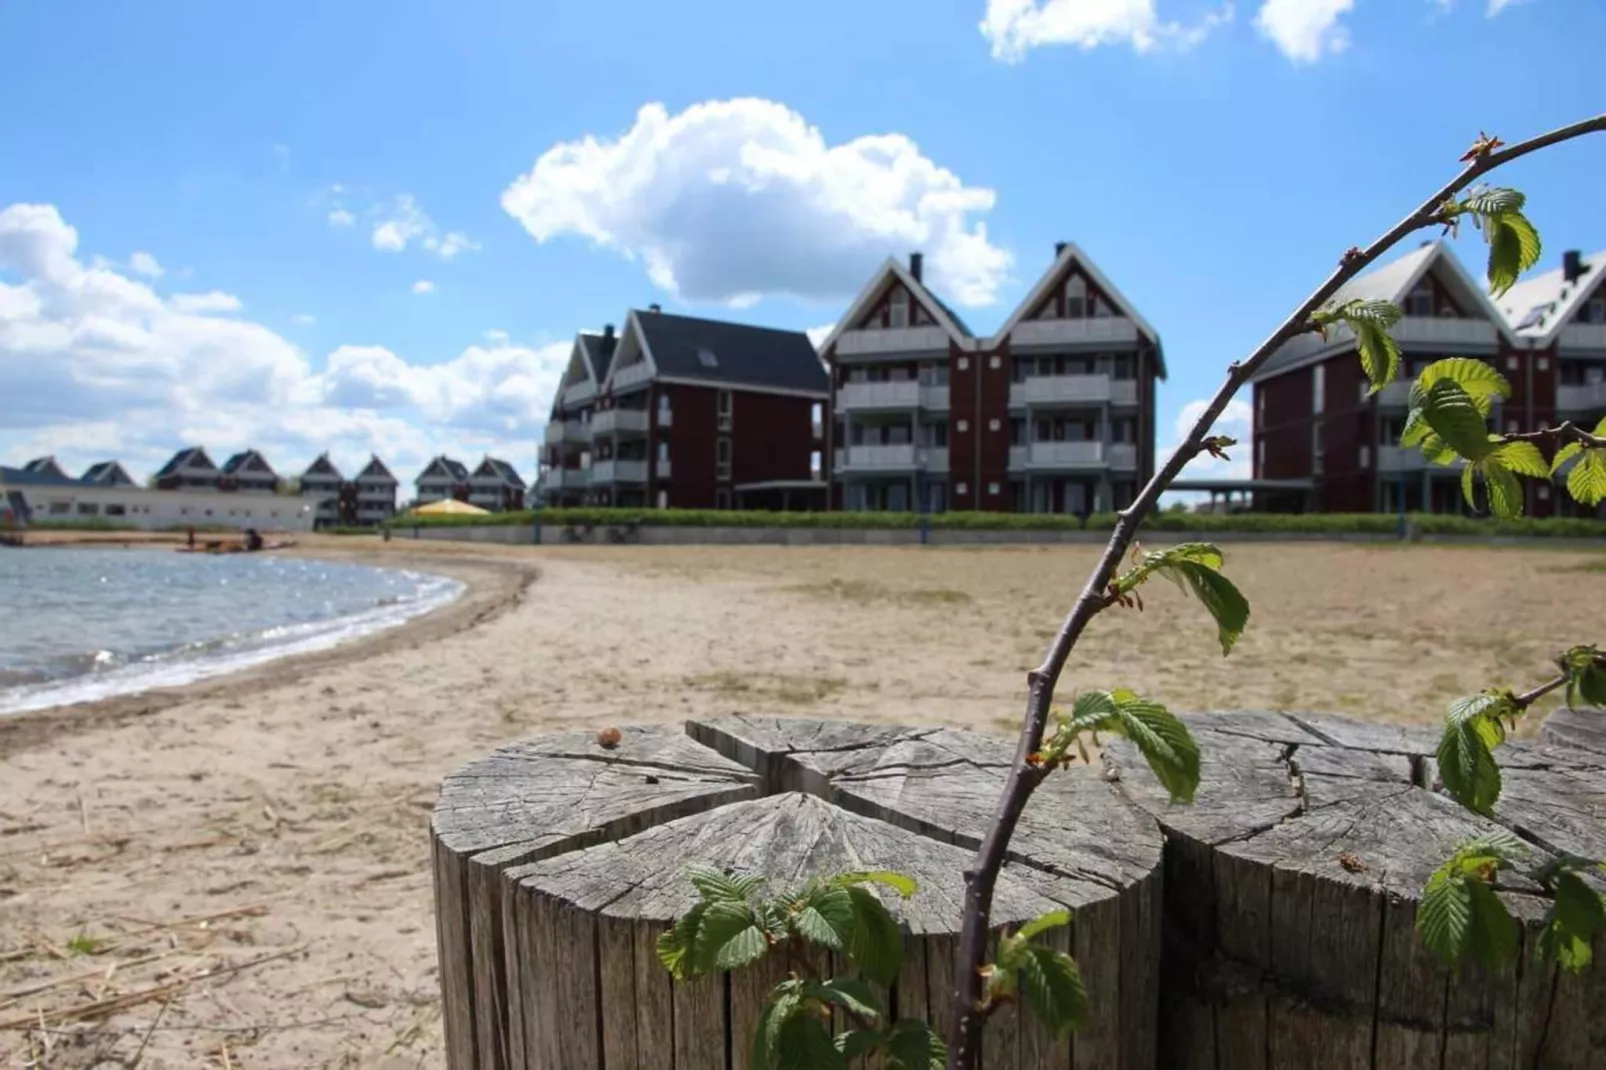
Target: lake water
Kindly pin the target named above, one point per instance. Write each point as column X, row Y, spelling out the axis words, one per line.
column 84, row 624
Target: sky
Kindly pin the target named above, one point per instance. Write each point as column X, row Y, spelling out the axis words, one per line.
column 366, row 227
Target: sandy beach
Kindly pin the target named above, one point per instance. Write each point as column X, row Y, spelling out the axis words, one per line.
column 238, row 870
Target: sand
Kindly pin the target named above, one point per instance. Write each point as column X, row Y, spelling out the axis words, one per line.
column 290, row 803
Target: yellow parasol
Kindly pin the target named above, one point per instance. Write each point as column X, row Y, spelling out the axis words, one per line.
column 450, row 507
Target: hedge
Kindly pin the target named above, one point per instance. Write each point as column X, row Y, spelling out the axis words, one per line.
column 1204, row 523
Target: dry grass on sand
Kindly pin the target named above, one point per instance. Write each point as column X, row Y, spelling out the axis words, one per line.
column 236, row 874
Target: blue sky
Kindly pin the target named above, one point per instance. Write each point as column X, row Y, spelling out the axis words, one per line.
column 377, row 226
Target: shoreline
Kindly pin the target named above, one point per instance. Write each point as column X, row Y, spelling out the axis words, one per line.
column 492, row 586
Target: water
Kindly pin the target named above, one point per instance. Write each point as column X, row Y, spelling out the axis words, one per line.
column 84, row 624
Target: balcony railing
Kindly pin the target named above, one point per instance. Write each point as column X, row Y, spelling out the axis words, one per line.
column 1583, row 336
column 661, row 468
column 630, row 375
column 579, row 393
column 1581, row 398
column 566, row 432
column 618, row 472
column 903, row 394
column 1123, row 457
column 617, row 421
column 1425, row 332
column 1060, row 390
column 1105, row 331
column 892, row 340
column 905, row 458
column 1410, row 459
column 568, row 478
column 1065, row 455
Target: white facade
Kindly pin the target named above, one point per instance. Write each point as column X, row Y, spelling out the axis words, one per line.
column 158, row 510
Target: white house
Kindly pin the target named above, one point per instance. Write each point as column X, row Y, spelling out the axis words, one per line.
column 34, row 498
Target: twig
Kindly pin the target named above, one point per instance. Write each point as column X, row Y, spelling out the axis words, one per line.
column 143, row 1044
column 43, row 986
column 1566, row 431
column 1528, row 698
column 969, row 1011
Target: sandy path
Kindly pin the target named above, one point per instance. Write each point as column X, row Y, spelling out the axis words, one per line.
column 303, row 789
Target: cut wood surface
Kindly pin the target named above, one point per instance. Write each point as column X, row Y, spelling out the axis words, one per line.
column 559, row 862
column 1290, row 899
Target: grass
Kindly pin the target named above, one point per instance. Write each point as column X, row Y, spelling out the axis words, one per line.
column 778, row 687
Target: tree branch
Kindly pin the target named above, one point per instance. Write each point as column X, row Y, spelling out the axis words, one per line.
column 1528, row 698
column 1566, row 431
column 981, row 878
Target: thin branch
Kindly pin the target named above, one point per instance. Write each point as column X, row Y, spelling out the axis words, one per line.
column 1566, row 431
column 982, row 876
column 1528, row 698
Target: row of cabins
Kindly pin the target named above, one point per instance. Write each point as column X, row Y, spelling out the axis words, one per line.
column 1321, row 443
column 902, row 406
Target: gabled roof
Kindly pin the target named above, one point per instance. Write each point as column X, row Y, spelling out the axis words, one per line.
column 45, row 466
column 598, row 351
column 323, row 466
column 22, row 477
column 1538, row 307
column 892, row 270
column 1070, row 255
column 1393, row 282
column 108, row 473
column 242, row 461
column 193, row 456
column 727, row 354
column 376, row 467
column 444, row 467
column 496, row 468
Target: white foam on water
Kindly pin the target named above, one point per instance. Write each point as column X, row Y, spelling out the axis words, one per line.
column 232, row 653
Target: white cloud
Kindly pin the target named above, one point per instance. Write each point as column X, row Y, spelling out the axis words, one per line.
column 339, row 218
column 95, row 364
column 1236, row 421
column 1016, row 26
column 732, row 200
column 1497, row 6
column 403, row 222
column 201, row 304
column 303, row 319
column 496, row 336
column 423, row 286
column 145, row 264
column 818, row 334
column 1305, row 30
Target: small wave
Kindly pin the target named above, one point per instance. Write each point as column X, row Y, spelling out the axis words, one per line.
column 101, row 675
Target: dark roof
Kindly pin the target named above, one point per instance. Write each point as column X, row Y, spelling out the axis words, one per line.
column 22, row 477
column 176, row 462
column 964, row 328
column 110, row 473
column 376, row 467
column 44, row 466
column 743, row 354
column 242, row 459
column 455, row 469
column 323, row 466
column 495, row 466
column 599, row 352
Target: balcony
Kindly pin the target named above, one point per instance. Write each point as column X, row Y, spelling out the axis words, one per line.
column 885, row 342
column 618, row 472
column 630, row 375
column 1397, row 395
column 1064, row 455
column 1583, row 336
column 901, row 458
column 568, row 478
column 891, row 396
column 1111, row 330
column 1578, row 399
column 1060, row 390
column 1473, row 337
column 566, row 433
column 1397, row 459
column 619, row 421
column 579, row 393
column 1123, row 457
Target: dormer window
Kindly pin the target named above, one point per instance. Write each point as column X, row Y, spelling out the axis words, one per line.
column 1050, row 311
column 1595, row 311
column 706, row 358
column 899, row 310
column 1075, row 298
column 1419, row 302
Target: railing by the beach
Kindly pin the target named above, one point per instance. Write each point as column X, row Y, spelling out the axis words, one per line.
column 1269, row 924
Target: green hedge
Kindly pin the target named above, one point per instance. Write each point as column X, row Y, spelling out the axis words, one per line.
column 1204, row 523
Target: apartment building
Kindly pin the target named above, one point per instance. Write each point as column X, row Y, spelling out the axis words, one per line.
column 687, row 413
column 442, row 478
column 250, row 472
column 191, row 468
column 1314, row 420
column 1052, row 414
column 496, row 486
column 376, row 492
column 107, row 474
column 47, row 467
column 368, row 500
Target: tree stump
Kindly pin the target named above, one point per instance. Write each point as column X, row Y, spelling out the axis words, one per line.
column 559, row 862
column 1291, row 887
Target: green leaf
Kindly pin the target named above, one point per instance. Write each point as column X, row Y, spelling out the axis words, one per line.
column 1587, row 481
column 1575, row 915
column 1466, row 753
column 728, row 938
column 1444, row 917
column 1054, row 919
column 1523, row 458
column 875, row 941
column 912, row 1045
column 714, row 884
column 1380, row 353
column 1505, row 254
column 1053, row 988
column 1196, row 566
column 850, row 993
column 1505, row 493
column 742, row 949
column 1199, row 553
column 674, row 946
column 1482, row 381
column 1090, row 710
column 901, row 883
column 827, row 919
column 1494, row 932
column 857, row 1043
column 1163, row 740
column 785, row 1000
column 1571, row 449
column 1493, row 201
column 805, row 1043
column 1453, row 415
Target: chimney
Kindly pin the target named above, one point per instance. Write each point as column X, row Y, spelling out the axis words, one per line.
column 916, row 265
column 655, row 308
column 607, row 330
column 1572, row 265
column 1059, row 249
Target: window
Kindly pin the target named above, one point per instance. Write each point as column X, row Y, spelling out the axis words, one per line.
column 964, row 364
column 725, row 407
column 1318, row 387
column 706, row 358
column 1513, row 427
column 1366, row 456
column 88, row 509
column 814, row 462
column 1317, row 456
column 899, row 310
column 1419, row 302
column 722, row 498
column 61, row 508
column 961, row 489
column 1512, row 362
column 1595, row 311
column 722, row 458
column 1260, row 403
column 963, row 426
column 1050, row 309
column 664, row 414
column 992, row 489
column 663, row 452
column 1260, row 456
column 116, row 510
column 1017, row 431
column 993, row 425
column 663, row 499
column 1543, row 364
column 1075, row 298
column 995, row 361
column 1544, row 491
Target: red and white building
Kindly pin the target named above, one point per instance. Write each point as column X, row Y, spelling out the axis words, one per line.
column 1315, row 425
column 686, row 413
column 1052, row 414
